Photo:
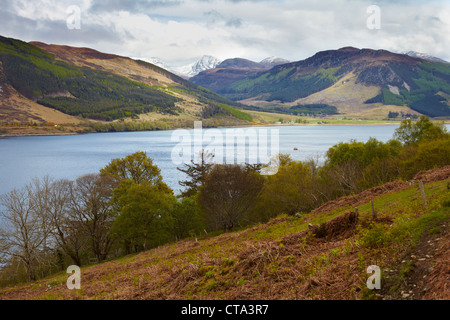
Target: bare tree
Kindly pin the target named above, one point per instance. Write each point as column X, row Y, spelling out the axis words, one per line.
column 228, row 193
column 91, row 210
column 67, row 232
column 21, row 231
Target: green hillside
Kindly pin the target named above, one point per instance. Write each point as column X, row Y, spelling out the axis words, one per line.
column 93, row 93
column 402, row 81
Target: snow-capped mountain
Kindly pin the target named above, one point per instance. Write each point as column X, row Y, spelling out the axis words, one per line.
column 273, row 61
column 424, row 56
column 206, row 62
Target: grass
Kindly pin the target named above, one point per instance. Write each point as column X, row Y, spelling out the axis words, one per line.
column 278, row 260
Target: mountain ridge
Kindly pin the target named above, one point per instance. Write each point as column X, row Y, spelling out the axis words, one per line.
column 399, row 80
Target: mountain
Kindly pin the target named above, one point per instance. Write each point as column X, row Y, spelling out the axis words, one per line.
column 273, row 61
column 232, row 70
column 38, row 80
column 350, row 79
column 204, row 63
column 424, row 56
column 187, row 71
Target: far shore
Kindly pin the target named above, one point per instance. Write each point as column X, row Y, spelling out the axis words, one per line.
column 327, row 122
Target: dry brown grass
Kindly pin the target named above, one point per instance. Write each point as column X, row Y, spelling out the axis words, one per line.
column 280, row 260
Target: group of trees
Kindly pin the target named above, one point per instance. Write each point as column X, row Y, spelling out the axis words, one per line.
column 128, row 208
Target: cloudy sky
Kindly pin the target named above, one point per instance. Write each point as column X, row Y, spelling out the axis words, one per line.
column 180, row 31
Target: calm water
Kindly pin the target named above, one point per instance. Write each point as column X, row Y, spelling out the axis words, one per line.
column 22, row 158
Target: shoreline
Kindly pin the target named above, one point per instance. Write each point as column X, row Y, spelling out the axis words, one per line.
column 12, row 135
column 350, row 123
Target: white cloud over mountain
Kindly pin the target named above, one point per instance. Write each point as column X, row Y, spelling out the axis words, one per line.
column 180, row 31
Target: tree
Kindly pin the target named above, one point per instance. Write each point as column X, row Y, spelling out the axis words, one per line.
column 411, row 132
column 425, row 155
column 228, row 193
column 141, row 201
column 92, row 210
column 143, row 214
column 288, row 191
column 23, row 231
column 347, row 163
column 137, row 167
column 67, row 232
column 196, row 173
column 186, row 218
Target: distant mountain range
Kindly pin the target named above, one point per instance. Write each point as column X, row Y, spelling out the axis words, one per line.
column 44, row 83
column 207, row 62
column 349, row 80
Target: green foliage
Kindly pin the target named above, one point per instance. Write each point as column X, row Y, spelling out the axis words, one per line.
column 289, row 191
column 353, row 166
column 143, row 215
column 426, row 155
column 393, row 115
column 411, row 132
column 392, row 99
column 313, row 109
column 142, row 202
column 365, row 153
column 186, row 218
column 138, row 168
column 213, row 110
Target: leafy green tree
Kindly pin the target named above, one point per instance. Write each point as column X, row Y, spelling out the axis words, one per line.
column 186, row 218
column 425, row 155
column 411, row 132
column 143, row 216
column 137, row 167
column 288, row 191
column 142, row 202
column 347, row 164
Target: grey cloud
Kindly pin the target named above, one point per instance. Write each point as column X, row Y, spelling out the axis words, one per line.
column 53, row 31
column 215, row 17
column 99, row 6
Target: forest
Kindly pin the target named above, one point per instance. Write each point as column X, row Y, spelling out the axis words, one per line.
column 127, row 208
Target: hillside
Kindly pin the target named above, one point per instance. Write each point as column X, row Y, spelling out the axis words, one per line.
column 350, row 79
column 62, row 84
column 320, row 255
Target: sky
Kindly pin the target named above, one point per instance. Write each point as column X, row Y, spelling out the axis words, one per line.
column 181, row 31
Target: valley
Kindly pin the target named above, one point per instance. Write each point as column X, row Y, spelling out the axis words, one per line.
column 51, row 89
